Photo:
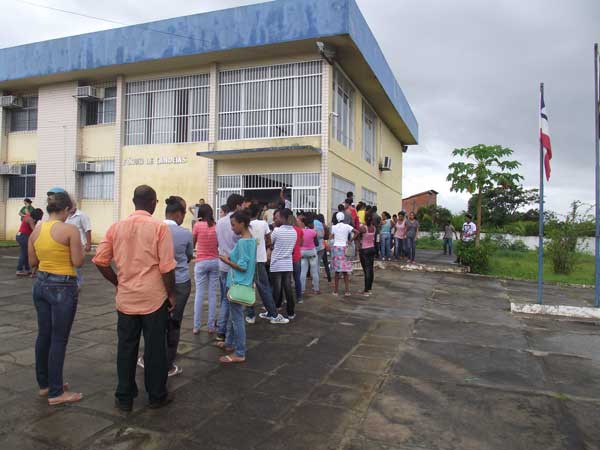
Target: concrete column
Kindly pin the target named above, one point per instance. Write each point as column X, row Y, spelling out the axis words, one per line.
column 3, row 180
column 119, row 142
column 212, row 133
column 57, row 139
column 325, row 121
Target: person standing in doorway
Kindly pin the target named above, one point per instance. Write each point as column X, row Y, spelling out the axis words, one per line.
column 449, row 234
column 142, row 249
column 206, row 270
column 226, row 239
column 27, row 208
column 82, row 222
column 283, row 241
column 183, row 249
column 367, row 253
column 25, row 229
column 386, row 236
column 412, row 234
column 55, row 249
column 342, row 234
column 283, row 199
column 262, row 234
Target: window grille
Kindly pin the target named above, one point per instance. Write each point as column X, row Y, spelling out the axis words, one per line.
column 270, row 101
column 23, row 186
column 103, row 111
column 339, row 188
column 369, row 197
column 304, row 187
column 25, row 119
column 99, row 185
column 343, row 109
column 167, row 110
column 369, row 123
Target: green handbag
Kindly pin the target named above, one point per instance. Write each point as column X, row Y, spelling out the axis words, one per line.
column 242, row 294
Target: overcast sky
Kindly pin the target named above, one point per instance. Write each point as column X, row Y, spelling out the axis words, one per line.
column 469, row 68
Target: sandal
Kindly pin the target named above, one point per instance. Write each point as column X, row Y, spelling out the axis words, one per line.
column 223, row 346
column 66, row 397
column 231, row 359
column 44, row 392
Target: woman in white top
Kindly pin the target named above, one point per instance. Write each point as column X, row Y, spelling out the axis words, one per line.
column 342, row 234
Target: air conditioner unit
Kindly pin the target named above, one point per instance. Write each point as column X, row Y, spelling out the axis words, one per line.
column 89, row 93
column 386, row 164
column 10, row 169
column 84, row 167
column 11, row 102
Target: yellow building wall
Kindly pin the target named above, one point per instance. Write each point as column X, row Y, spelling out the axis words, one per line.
column 98, row 141
column 100, row 214
column 13, row 222
column 313, row 141
column 282, row 164
column 187, row 179
column 22, row 146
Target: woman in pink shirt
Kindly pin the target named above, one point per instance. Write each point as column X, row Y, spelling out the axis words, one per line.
column 367, row 252
column 400, row 236
column 206, row 271
column 308, row 250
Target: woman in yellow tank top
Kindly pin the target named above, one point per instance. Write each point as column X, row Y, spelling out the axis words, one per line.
column 55, row 249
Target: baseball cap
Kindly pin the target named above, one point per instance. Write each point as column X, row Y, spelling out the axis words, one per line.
column 56, row 190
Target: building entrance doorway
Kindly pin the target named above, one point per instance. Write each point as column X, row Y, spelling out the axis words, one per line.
column 263, row 196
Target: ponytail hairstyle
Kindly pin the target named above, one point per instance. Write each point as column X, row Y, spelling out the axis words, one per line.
column 174, row 204
column 241, row 217
column 58, row 202
column 205, row 213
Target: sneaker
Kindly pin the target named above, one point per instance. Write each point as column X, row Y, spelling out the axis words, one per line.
column 292, row 317
column 279, row 319
column 299, row 301
column 250, row 319
column 265, row 315
column 220, row 337
column 175, row 370
column 140, row 362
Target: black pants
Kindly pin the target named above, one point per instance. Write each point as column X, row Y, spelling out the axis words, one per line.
column 325, row 260
column 182, row 293
column 282, row 284
column 367, row 257
column 129, row 328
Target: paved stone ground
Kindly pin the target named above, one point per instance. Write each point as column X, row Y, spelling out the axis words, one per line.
column 431, row 361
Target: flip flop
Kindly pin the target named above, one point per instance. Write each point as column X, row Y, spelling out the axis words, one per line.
column 227, row 359
column 67, row 397
column 44, row 392
column 223, row 346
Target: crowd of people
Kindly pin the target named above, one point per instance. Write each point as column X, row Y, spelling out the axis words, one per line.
column 251, row 248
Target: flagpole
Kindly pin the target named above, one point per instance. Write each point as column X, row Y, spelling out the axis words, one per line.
column 540, row 289
column 597, row 121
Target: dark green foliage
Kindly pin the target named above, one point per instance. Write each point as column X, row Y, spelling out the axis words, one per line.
column 477, row 258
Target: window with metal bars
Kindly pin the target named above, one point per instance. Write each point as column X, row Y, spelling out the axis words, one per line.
column 343, row 109
column 25, row 119
column 99, row 185
column 339, row 188
column 369, row 140
column 167, row 110
column 22, row 186
column 369, row 197
column 103, row 111
column 270, row 101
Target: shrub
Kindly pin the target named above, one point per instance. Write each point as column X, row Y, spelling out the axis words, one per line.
column 477, row 258
column 562, row 244
column 518, row 246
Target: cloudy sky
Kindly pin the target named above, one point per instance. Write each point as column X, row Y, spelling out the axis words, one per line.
column 469, row 68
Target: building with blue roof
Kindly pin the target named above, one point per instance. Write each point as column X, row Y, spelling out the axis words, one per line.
column 292, row 94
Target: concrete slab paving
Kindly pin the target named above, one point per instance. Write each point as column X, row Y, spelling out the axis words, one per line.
column 430, row 361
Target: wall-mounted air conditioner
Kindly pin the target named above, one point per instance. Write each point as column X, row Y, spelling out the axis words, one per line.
column 10, row 169
column 83, row 167
column 11, row 102
column 89, row 93
column 386, row 164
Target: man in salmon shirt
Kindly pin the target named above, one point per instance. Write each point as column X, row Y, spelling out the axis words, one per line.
column 142, row 250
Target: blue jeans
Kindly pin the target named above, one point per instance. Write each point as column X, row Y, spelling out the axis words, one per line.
column 448, row 246
column 411, row 248
column 309, row 259
column 23, row 264
column 224, row 312
column 263, row 286
column 55, row 300
column 398, row 248
column 297, row 279
column 386, row 245
column 236, row 329
column 206, row 274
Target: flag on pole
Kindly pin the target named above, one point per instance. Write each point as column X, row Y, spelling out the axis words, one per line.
column 545, row 137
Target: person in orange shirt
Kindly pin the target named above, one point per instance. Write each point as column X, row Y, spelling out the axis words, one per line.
column 142, row 250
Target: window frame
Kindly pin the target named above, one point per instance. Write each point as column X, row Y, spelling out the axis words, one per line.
column 30, row 112
column 103, row 190
column 28, row 175
column 369, row 146
column 368, row 196
column 344, row 109
column 101, row 110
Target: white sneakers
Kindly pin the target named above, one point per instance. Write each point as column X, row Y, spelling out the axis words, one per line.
column 274, row 320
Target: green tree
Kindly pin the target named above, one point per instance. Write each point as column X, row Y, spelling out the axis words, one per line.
column 500, row 205
column 433, row 217
column 485, row 168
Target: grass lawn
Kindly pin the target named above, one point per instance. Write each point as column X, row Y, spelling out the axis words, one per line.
column 6, row 244
column 506, row 263
column 426, row 243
